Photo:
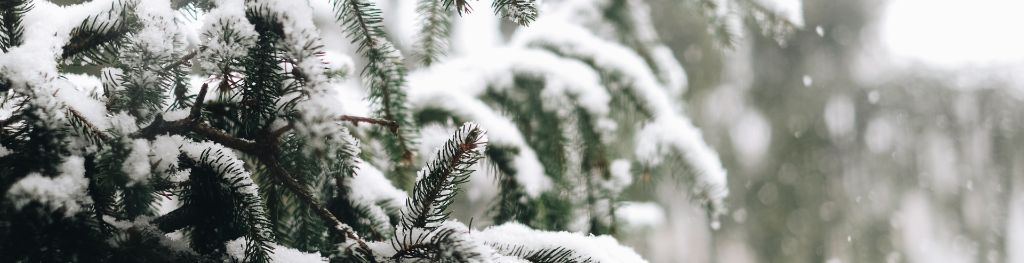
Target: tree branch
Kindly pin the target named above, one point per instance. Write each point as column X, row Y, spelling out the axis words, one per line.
column 183, row 59
column 192, row 123
column 355, row 120
column 270, row 159
column 265, row 148
column 88, row 125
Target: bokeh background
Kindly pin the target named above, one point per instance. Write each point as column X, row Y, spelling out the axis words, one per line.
column 882, row 131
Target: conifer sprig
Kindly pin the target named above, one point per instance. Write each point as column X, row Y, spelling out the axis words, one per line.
column 384, row 73
column 247, row 208
column 440, row 179
column 98, row 37
column 11, row 28
column 434, row 31
column 521, row 12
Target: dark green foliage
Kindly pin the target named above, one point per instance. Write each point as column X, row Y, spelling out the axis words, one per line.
column 595, row 169
column 512, row 204
column 36, row 146
column 34, row 234
column 360, row 217
column 11, row 29
column 263, row 85
column 148, row 244
column 222, row 209
column 137, row 90
column 99, row 37
column 297, row 224
column 440, row 179
column 543, row 132
column 117, row 197
column 423, row 237
column 436, row 27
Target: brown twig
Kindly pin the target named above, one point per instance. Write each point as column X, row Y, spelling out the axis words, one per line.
column 355, row 120
column 198, row 105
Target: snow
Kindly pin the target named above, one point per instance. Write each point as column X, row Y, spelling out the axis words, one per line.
column 576, row 41
column 791, row 10
column 226, row 16
column 370, row 185
column 279, row 254
column 502, row 132
column 79, row 100
column 29, row 66
column 668, row 67
column 676, row 81
column 621, row 176
column 300, row 38
column 159, row 30
column 123, row 123
column 459, row 239
column 87, row 84
column 337, row 64
column 4, row 151
column 136, row 165
column 668, row 133
column 223, row 158
column 567, row 83
column 66, row 191
column 165, row 151
column 454, row 85
column 599, row 248
column 640, row 214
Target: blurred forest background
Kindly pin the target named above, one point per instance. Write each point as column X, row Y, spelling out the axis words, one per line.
column 841, row 150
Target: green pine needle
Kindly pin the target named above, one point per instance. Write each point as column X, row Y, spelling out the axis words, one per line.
column 440, row 179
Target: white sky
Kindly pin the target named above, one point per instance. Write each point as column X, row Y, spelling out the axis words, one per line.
column 955, row 33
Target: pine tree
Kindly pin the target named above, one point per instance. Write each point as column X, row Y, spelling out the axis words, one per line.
column 127, row 135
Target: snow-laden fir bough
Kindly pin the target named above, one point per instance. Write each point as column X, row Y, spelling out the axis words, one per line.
column 213, row 130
